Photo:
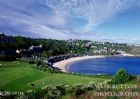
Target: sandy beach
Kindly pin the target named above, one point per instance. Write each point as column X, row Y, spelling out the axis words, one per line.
column 62, row 64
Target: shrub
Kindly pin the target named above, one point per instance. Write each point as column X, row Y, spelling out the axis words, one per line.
column 120, row 77
column 39, row 63
column 78, row 91
column 31, row 62
column 62, row 89
column 5, row 57
column 87, row 87
column 52, row 92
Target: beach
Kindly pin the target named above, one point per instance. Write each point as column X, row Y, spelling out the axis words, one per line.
column 62, row 64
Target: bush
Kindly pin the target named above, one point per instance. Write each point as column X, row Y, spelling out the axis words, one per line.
column 62, row 89
column 52, row 92
column 5, row 57
column 78, row 91
column 120, row 77
column 45, row 67
column 31, row 62
column 39, row 63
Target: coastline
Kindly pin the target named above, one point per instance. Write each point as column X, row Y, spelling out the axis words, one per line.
column 62, row 64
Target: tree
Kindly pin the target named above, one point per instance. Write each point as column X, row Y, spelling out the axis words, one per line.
column 121, row 77
column 22, row 42
column 44, row 54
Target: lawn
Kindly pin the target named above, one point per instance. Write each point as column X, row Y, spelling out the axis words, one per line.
column 18, row 76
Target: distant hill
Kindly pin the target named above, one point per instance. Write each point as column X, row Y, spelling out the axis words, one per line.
column 135, row 50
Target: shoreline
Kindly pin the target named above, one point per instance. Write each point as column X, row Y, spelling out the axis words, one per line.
column 64, row 63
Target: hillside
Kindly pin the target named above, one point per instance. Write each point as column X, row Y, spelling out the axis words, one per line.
column 135, row 50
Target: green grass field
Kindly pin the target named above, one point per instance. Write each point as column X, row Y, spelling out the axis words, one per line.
column 18, row 76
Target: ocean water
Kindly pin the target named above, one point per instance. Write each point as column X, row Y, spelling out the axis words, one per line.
column 108, row 65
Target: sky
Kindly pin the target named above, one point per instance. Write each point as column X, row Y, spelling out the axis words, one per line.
column 98, row 20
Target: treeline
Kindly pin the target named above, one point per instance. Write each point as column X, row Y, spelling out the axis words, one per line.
column 18, row 46
column 42, row 47
column 53, row 47
column 13, row 43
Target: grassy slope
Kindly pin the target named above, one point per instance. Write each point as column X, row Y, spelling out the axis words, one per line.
column 19, row 76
